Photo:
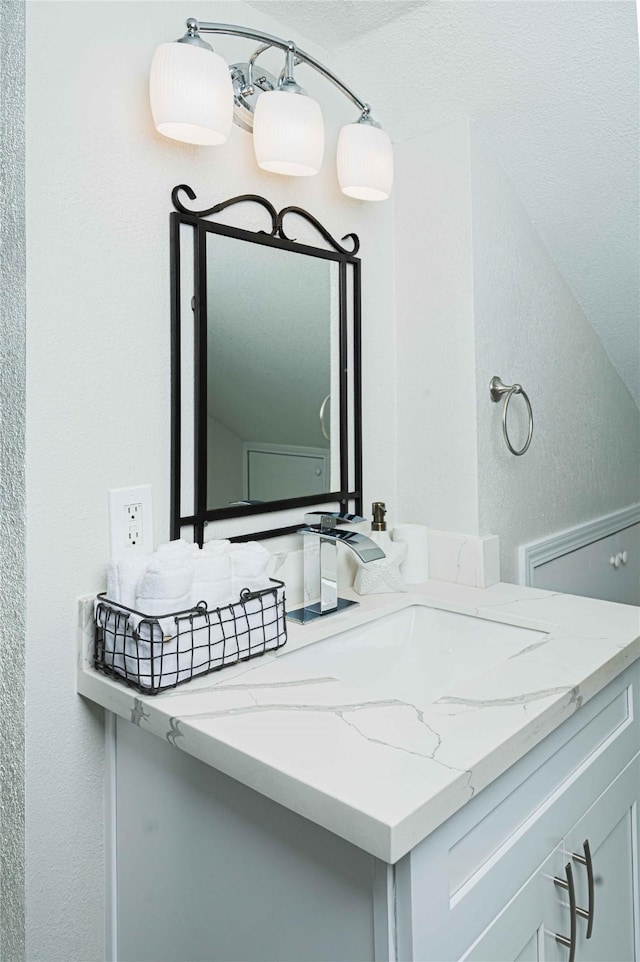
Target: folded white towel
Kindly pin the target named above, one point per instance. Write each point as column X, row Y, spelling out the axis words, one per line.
column 175, row 549
column 249, row 563
column 123, row 576
column 165, row 588
column 217, row 547
column 212, row 575
column 169, row 607
column 166, row 579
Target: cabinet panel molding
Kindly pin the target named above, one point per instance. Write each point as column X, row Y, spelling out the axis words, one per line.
column 527, row 926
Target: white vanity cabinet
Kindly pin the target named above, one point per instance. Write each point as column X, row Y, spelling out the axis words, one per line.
column 209, row 869
column 482, row 887
column 526, row 928
column 611, row 828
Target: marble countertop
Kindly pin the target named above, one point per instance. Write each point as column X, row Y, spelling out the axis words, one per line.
column 381, row 772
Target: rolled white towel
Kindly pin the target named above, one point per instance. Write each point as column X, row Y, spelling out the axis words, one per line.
column 169, row 607
column 249, row 563
column 166, row 587
column 123, row 577
column 212, row 574
column 217, row 547
column 165, row 579
column 174, row 550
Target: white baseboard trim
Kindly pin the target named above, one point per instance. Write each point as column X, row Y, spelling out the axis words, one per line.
column 536, row 553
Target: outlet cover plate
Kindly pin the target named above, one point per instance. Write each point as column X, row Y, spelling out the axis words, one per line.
column 130, row 521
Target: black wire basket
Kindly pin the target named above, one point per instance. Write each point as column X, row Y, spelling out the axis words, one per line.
column 152, row 654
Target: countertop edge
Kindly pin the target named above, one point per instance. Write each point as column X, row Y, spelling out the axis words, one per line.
column 383, row 839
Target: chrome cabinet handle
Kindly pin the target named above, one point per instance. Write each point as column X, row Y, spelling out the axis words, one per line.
column 586, row 861
column 570, row 942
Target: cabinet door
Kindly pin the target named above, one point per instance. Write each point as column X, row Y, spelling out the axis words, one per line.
column 525, row 930
column 588, row 570
column 610, row 829
column 279, row 474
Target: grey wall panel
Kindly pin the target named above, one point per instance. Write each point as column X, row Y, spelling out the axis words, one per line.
column 209, row 869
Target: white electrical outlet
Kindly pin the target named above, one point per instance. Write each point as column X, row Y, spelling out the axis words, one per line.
column 130, row 521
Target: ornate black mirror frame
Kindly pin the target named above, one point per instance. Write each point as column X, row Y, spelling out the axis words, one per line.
column 349, row 496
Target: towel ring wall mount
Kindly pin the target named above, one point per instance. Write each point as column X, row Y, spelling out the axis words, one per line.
column 498, row 390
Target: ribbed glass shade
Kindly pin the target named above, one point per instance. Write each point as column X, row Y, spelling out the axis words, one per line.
column 288, row 133
column 191, row 94
column 365, row 162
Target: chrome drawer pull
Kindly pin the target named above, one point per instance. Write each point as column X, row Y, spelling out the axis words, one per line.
column 570, row 942
column 586, row 860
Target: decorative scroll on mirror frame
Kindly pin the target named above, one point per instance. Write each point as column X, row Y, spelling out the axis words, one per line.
column 198, row 250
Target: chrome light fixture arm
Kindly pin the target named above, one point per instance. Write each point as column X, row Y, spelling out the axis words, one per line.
column 248, row 89
column 195, row 27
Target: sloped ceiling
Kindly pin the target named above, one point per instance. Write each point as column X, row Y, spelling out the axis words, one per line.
column 555, row 87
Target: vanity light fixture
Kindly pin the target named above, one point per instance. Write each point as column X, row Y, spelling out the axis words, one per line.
column 195, row 96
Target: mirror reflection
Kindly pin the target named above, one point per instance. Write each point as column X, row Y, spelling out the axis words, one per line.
column 272, row 319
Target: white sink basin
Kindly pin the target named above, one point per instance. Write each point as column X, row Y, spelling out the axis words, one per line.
column 416, row 654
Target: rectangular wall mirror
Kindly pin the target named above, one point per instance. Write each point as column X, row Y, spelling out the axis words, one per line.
column 266, row 415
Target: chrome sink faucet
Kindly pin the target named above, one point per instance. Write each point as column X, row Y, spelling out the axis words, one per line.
column 321, row 538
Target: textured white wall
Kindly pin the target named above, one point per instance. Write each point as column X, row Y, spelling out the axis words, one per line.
column 529, row 328
column 98, row 182
column 555, row 85
column 12, row 480
column 437, row 445
column 477, row 295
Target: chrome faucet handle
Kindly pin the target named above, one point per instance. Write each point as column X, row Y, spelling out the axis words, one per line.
column 321, row 519
column 349, row 518
column 330, row 519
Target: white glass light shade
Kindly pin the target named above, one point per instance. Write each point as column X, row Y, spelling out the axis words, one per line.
column 365, row 162
column 288, row 133
column 191, row 94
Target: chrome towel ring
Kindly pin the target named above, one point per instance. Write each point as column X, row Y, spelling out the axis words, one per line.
column 499, row 390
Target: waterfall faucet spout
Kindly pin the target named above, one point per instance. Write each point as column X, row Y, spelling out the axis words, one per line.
column 321, row 538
